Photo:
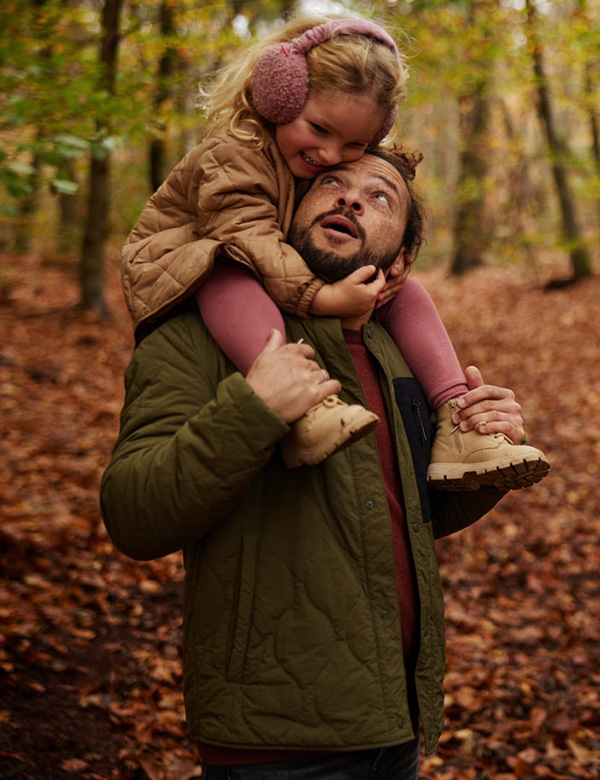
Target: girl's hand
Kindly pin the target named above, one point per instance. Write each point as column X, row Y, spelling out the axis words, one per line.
column 394, row 283
column 351, row 296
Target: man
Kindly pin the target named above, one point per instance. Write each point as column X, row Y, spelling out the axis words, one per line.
column 313, row 614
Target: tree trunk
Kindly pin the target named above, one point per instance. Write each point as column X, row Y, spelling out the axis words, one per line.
column 591, row 102
column 590, row 86
column 580, row 260
column 68, row 222
column 28, row 207
column 96, row 227
column 470, row 234
column 519, row 191
column 92, row 258
column 166, row 67
column 470, row 238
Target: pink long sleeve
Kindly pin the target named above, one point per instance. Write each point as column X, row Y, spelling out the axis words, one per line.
column 238, row 312
column 412, row 320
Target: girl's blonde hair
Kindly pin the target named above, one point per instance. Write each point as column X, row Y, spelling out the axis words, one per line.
column 347, row 63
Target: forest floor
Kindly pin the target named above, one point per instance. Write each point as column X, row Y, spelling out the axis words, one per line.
column 90, row 644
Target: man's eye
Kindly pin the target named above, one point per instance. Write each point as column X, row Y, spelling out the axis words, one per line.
column 329, row 180
column 383, row 197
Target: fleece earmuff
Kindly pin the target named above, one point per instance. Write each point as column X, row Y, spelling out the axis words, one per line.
column 280, row 80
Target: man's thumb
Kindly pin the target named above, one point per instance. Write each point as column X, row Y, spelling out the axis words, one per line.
column 274, row 341
column 473, row 377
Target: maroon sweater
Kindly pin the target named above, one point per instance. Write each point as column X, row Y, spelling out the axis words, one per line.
column 366, row 368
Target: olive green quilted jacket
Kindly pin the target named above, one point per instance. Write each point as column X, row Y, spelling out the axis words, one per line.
column 291, row 626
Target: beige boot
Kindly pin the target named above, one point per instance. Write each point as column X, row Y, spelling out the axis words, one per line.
column 466, row 461
column 326, row 428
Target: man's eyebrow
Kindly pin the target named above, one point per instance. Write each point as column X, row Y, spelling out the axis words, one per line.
column 380, row 176
column 389, row 183
column 345, row 168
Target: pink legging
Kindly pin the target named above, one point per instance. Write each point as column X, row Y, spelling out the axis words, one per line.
column 240, row 316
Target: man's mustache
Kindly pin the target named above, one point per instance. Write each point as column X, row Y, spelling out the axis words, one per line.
column 341, row 212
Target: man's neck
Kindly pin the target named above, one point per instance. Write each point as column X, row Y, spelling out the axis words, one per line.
column 355, row 323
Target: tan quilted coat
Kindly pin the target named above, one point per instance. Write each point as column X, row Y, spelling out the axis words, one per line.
column 224, row 197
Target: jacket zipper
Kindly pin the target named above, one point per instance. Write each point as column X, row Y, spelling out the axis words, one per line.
column 417, row 413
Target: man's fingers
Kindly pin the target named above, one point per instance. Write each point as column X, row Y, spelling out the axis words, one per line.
column 329, row 387
column 378, row 282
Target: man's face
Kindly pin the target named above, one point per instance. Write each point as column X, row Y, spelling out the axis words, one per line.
column 353, row 215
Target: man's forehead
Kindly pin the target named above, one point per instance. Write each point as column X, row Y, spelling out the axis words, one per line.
column 371, row 167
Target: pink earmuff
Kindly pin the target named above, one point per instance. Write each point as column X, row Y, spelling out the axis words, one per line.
column 280, row 80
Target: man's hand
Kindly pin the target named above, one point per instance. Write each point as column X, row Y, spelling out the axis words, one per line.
column 351, row 296
column 489, row 409
column 287, row 378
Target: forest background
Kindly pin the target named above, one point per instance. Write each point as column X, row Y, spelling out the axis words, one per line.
column 98, row 101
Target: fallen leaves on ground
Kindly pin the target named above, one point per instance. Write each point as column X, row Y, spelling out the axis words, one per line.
column 90, row 649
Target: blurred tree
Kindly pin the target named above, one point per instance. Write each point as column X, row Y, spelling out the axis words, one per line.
column 214, row 32
column 28, row 204
column 36, row 64
column 588, row 30
column 91, row 270
column 470, row 230
column 580, row 260
column 68, row 212
column 469, row 109
column 166, row 67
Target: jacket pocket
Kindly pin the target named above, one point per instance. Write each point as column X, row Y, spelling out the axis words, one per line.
column 243, row 618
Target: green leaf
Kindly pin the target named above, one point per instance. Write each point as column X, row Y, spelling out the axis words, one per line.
column 16, row 186
column 21, row 169
column 64, row 187
column 71, row 142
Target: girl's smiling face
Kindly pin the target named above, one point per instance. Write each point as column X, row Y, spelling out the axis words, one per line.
column 333, row 128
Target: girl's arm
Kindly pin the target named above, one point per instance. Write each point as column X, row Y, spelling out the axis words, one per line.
column 247, row 200
column 221, row 199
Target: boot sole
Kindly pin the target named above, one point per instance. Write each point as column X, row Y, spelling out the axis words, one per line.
column 513, row 476
column 343, row 437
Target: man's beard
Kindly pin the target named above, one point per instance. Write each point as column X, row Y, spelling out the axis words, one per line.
column 327, row 264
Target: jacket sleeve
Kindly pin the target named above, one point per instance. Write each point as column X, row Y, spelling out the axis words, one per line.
column 221, row 199
column 242, row 204
column 451, row 512
column 160, row 270
column 189, row 445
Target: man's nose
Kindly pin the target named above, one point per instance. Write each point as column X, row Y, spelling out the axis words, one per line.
column 351, row 200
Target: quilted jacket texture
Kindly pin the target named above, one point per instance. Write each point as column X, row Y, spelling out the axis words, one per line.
column 291, row 624
column 223, row 198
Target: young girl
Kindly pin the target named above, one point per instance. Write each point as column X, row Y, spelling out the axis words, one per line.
column 319, row 92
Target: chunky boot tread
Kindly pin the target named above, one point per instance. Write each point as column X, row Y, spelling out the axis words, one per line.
column 512, row 477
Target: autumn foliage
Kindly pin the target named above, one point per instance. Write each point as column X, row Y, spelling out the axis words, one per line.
column 90, row 648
